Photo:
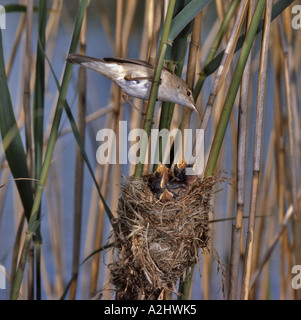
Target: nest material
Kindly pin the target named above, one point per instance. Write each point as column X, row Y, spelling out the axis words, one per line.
column 156, row 242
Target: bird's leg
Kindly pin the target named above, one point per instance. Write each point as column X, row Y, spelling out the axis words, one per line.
column 126, row 99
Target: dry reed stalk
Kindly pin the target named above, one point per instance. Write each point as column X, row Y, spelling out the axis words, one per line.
column 240, row 174
column 225, row 63
column 104, row 183
column 19, row 231
column 16, row 44
column 191, row 68
column 119, row 25
column 149, row 22
column 52, row 29
column 98, row 231
column 287, row 23
column 16, row 249
column 115, row 194
column 126, row 28
column 193, row 49
column 257, row 151
column 146, row 38
column 207, row 259
column 119, row 47
column 294, row 61
column 231, row 199
column 294, row 95
column 267, row 188
column 105, row 22
column 54, row 201
column 131, row 6
column 31, row 276
column 287, row 83
column 292, row 155
column 220, row 9
column 106, row 171
column 79, row 161
column 96, row 218
column 265, row 223
column 153, row 51
column 107, row 293
column 28, row 126
column 191, row 72
column 4, row 177
column 269, row 250
column 47, row 285
column 264, row 286
column 155, row 32
column 207, row 265
column 26, row 92
column 281, row 181
column 92, row 217
column 218, row 107
column 95, row 265
column 279, row 154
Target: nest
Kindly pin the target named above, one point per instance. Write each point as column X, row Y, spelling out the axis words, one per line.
column 156, row 242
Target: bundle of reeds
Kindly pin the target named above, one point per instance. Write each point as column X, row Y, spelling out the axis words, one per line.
column 157, row 242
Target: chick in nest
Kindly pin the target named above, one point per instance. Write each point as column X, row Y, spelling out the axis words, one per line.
column 180, row 174
column 165, row 187
column 159, row 186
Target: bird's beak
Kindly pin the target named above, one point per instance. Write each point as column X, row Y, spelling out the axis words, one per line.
column 193, row 107
column 181, row 164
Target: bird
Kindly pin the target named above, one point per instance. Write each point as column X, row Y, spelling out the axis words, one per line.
column 180, row 175
column 178, row 184
column 166, row 186
column 179, row 171
column 159, row 185
column 135, row 77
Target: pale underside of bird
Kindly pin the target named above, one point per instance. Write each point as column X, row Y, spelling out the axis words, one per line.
column 135, row 77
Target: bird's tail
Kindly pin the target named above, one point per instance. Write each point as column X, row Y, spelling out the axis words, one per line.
column 97, row 65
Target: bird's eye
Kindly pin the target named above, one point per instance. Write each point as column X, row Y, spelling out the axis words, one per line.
column 188, row 93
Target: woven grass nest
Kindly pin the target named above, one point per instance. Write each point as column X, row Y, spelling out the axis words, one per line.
column 156, row 241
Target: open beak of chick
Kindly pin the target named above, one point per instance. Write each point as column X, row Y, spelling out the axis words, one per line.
column 181, row 174
column 166, row 195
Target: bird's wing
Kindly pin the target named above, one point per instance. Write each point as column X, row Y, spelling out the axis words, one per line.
column 79, row 59
column 125, row 60
column 135, row 61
